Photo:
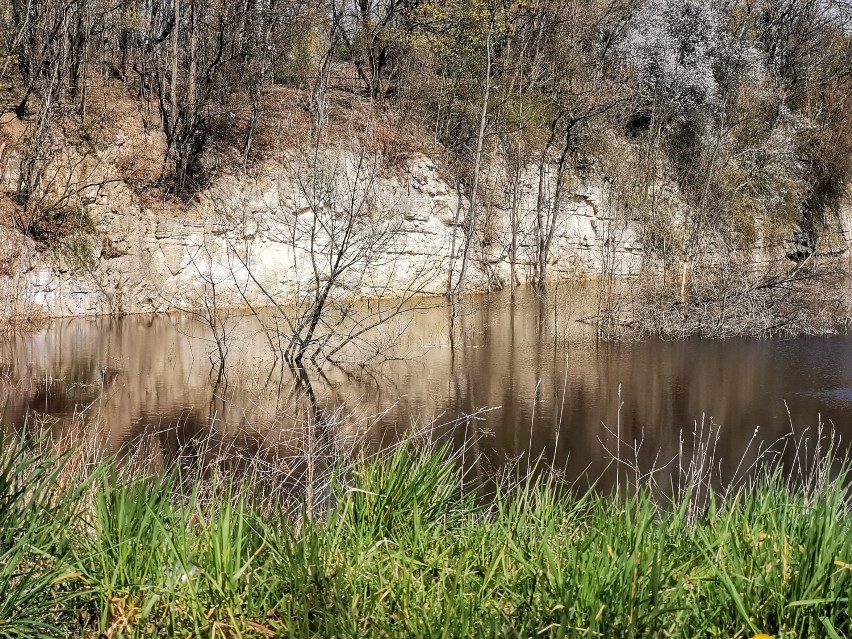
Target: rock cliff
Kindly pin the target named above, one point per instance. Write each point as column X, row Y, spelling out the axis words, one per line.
column 265, row 237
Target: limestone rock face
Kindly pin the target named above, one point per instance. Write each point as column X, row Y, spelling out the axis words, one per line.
column 247, row 239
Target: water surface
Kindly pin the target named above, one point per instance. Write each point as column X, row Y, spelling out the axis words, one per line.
column 549, row 386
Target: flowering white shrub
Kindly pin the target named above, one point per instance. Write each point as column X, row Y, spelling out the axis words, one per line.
column 672, row 44
column 683, row 56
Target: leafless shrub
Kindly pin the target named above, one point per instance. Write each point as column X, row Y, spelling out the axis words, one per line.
column 347, row 291
column 697, row 473
column 726, row 293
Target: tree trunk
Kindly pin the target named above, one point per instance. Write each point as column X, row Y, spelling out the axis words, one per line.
column 471, row 220
column 175, row 42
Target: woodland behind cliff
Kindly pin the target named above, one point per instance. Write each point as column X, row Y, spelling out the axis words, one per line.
column 744, row 107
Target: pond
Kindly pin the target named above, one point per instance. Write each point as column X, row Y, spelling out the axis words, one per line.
column 522, row 379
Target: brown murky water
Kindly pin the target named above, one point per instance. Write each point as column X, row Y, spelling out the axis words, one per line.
column 552, row 388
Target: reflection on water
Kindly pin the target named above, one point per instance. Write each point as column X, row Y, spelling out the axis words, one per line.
column 555, row 390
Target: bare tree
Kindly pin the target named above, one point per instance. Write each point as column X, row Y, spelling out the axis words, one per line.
column 370, row 30
column 342, row 243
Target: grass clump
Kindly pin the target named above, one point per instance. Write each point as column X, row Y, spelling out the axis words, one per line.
column 402, row 547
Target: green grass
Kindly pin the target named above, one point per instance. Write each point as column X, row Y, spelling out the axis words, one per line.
column 405, row 550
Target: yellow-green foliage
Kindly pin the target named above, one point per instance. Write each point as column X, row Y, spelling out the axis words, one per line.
column 78, row 242
column 463, row 28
